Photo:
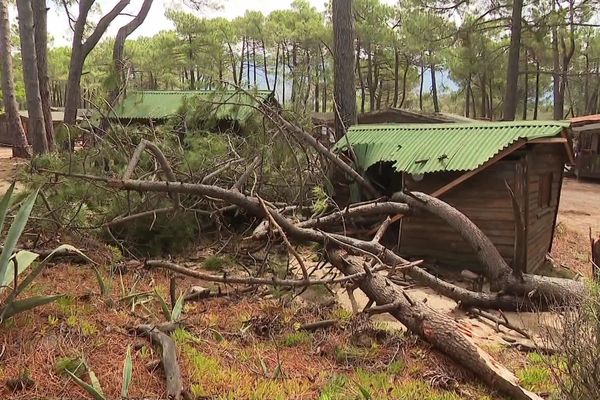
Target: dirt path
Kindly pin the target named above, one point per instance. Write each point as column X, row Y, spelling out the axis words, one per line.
column 580, row 205
column 8, row 168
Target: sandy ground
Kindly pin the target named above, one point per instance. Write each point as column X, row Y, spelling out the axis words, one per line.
column 580, row 205
column 8, row 168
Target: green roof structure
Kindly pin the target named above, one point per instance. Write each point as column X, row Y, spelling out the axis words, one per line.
column 427, row 148
column 160, row 105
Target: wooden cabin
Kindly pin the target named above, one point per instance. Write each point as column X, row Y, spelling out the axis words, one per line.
column 6, row 134
column 470, row 166
column 586, row 133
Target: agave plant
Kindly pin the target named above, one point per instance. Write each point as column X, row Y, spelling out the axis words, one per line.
column 95, row 390
column 13, row 265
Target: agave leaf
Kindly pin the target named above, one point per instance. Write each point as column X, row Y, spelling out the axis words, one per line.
column 127, row 374
column 14, row 233
column 40, row 267
column 177, row 308
column 95, row 383
column 164, row 306
column 24, row 260
column 101, row 283
column 4, row 204
column 19, row 306
column 87, row 387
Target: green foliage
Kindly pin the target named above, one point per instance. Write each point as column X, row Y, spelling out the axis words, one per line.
column 217, row 263
column 296, row 339
column 74, row 365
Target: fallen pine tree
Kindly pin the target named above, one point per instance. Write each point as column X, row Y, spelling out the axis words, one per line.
column 515, row 290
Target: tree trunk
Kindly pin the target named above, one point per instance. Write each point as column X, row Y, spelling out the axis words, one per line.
column 484, row 99
column 421, row 85
column 36, row 127
column 81, row 49
column 372, row 86
column 276, row 69
column 345, row 93
column 265, row 66
column 119, row 50
column 396, row 76
column 526, row 88
column 468, row 97
column 254, row 60
column 40, row 22
column 512, row 71
column 248, row 66
column 360, row 78
column 406, row 68
column 558, row 102
column 241, row 74
column 324, row 72
column 434, row 95
column 445, row 334
column 537, row 91
column 19, row 145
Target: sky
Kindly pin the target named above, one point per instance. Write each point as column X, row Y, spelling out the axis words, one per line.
column 156, row 21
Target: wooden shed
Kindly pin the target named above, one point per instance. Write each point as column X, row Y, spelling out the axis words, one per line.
column 470, row 166
column 586, row 132
column 6, row 134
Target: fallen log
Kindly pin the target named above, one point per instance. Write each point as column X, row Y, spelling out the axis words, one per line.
column 168, row 358
column 445, row 334
column 544, row 290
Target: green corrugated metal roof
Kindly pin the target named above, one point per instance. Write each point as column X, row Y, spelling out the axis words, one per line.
column 228, row 105
column 426, row 148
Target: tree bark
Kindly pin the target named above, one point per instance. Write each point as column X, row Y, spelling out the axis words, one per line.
column 80, row 49
column 361, row 79
column 526, row 88
column 512, row 71
column 537, row 91
column 445, row 334
column 396, row 76
column 345, row 93
column 421, row 85
column 119, row 50
column 36, row 126
column 20, row 147
column 434, row 95
column 40, row 22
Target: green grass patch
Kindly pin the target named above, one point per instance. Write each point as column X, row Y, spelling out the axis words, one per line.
column 74, row 365
column 216, row 263
column 296, row 339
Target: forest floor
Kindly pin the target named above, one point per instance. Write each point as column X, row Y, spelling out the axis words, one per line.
column 249, row 346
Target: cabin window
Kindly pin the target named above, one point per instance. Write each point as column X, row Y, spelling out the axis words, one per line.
column 545, row 191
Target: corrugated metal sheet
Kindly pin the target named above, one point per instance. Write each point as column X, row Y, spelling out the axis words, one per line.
column 426, row 148
column 228, row 105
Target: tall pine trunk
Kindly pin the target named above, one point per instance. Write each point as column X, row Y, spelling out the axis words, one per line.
column 396, row 76
column 537, row 91
column 19, row 145
column 512, row 71
column 360, row 78
column 421, row 84
column 526, row 88
column 434, row 94
column 40, row 22
column 36, row 124
column 345, row 92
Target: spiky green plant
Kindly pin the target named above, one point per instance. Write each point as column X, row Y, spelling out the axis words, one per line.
column 14, row 264
column 94, row 388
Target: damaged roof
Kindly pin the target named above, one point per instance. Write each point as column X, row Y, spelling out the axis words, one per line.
column 427, row 148
column 163, row 104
